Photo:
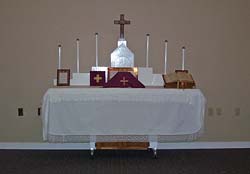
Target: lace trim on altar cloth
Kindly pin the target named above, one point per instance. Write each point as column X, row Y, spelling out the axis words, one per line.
column 120, row 138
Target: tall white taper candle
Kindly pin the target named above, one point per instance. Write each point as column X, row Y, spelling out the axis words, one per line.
column 96, row 49
column 147, row 49
column 183, row 58
column 165, row 57
column 77, row 55
column 59, row 56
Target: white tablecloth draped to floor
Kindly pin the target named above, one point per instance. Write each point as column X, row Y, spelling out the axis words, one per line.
column 122, row 111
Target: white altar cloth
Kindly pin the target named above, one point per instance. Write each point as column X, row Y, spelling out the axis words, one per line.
column 122, row 111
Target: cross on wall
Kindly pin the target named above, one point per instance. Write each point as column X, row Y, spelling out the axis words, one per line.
column 122, row 22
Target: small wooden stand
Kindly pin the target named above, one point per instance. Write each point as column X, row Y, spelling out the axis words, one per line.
column 122, row 145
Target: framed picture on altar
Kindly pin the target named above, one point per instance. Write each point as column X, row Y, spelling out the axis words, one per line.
column 113, row 70
column 63, row 77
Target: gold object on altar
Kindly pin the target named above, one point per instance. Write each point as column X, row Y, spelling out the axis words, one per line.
column 180, row 79
column 113, row 70
column 97, row 78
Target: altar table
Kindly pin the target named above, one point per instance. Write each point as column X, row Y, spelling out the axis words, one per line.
column 122, row 114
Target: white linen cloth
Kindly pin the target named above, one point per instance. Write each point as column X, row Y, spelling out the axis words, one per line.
column 122, row 111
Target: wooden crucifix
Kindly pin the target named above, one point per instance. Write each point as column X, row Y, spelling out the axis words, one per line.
column 121, row 22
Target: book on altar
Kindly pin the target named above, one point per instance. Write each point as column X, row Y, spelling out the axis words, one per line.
column 97, row 78
column 179, row 79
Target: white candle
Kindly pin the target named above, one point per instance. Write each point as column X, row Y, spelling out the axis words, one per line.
column 96, row 49
column 77, row 56
column 183, row 58
column 147, row 49
column 165, row 57
column 59, row 56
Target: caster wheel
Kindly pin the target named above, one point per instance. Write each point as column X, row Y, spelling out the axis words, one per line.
column 92, row 153
column 154, row 153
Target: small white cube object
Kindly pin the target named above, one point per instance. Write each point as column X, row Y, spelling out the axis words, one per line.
column 54, row 82
column 157, row 80
column 145, row 75
column 79, row 79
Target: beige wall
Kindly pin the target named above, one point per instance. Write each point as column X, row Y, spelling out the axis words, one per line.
column 215, row 32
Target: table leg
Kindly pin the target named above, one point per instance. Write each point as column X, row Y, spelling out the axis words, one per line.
column 153, row 146
column 92, row 145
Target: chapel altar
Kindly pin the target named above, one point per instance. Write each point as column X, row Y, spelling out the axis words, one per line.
column 122, row 104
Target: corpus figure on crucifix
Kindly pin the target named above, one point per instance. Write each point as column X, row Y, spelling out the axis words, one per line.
column 121, row 22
